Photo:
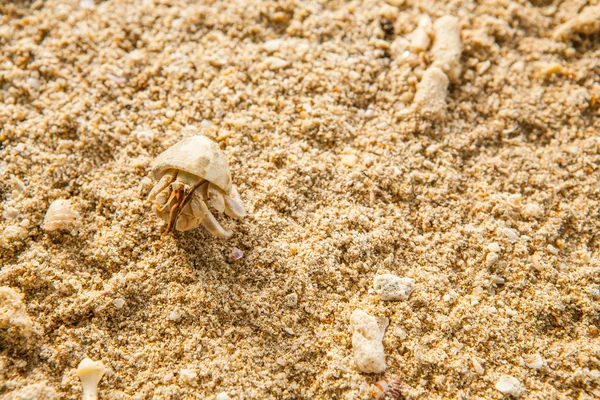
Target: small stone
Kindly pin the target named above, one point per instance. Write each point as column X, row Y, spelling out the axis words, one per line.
column 491, row 258
column 509, row 385
column 119, row 303
column 236, row 254
column 367, row 337
column 175, row 315
column 495, row 247
column 291, row 300
column 275, row 63
column 531, row 210
column 87, row 4
column 552, row 249
column 188, row 375
column 534, row 361
column 477, row 366
column 510, row 234
column 349, row 160
column 10, row 213
column 144, row 137
column 272, row 45
column 33, row 83
column 390, row 287
column 223, row 396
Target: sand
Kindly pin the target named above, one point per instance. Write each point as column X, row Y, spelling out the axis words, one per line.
column 490, row 202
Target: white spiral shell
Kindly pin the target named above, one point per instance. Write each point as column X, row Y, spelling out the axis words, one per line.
column 60, row 215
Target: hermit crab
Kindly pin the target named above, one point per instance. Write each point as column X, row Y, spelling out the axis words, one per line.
column 190, row 175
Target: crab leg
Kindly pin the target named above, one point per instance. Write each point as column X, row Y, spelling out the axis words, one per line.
column 207, row 219
column 233, row 204
column 161, row 185
column 215, row 197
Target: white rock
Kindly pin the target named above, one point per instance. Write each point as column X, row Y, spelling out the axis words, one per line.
column 532, row 210
column 495, row 247
column 10, row 213
column 275, row 63
column 510, row 234
column 534, row 361
column 272, row 45
column 188, row 375
column 491, row 258
column 223, row 396
column 144, row 137
column 391, row 287
column 36, row 391
column 33, row 83
column 87, row 4
column 509, row 385
column 291, row 300
column 367, row 337
column 119, row 303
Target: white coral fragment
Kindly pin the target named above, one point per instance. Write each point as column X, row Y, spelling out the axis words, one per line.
column 420, row 38
column 60, row 215
column 390, row 287
column 367, row 337
column 90, row 372
column 447, row 47
column 431, row 92
column 14, row 320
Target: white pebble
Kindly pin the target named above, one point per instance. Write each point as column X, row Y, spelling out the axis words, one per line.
column 447, row 47
column 87, row 4
column 10, row 213
column 223, row 396
column 236, row 254
column 367, row 337
column 495, row 247
column 477, row 366
column 119, row 303
column 272, row 45
column 509, row 385
column 206, row 123
column 188, row 375
column 275, row 63
column 510, row 234
column 552, row 249
column 391, row 287
column 33, row 83
column 13, row 232
column 144, row 137
column 531, row 210
column 491, row 258
column 175, row 315
column 534, row 361
column 432, row 91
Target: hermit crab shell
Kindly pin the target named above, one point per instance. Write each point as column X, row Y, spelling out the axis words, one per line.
column 196, row 155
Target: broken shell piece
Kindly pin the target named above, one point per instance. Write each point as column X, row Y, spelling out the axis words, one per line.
column 90, row 372
column 447, row 47
column 60, row 215
column 367, row 337
column 387, row 389
column 431, row 92
column 189, row 175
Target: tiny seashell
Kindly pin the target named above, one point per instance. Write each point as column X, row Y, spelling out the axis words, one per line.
column 236, row 254
column 60, row 215
column 387, row 389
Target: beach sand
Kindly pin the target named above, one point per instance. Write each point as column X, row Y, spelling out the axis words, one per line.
column 490, row 204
